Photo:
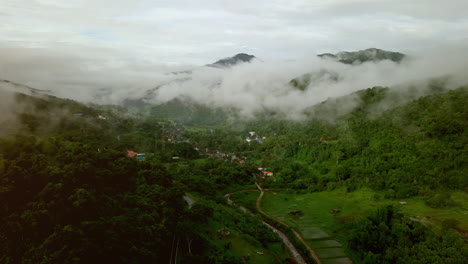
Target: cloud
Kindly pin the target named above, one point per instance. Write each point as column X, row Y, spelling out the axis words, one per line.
column 203, row 31
column 250, row 87
column 105, row 51
column 260, row 85
column 78, row 76
column 420, row 9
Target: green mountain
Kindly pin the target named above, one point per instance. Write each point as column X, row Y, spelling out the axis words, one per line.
column 356, row 57
column 368, row 177
column 361, row 56
column 234, row 60
column 303, row 81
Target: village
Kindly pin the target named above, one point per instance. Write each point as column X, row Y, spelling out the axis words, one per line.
column 174, row 135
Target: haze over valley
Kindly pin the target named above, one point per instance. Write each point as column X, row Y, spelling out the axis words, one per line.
column 233, row 132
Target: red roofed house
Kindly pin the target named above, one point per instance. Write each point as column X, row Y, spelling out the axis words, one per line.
column 131, row 153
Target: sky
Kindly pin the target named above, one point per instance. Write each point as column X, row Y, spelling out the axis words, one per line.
column 78, row 45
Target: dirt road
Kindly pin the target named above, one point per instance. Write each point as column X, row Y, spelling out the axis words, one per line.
column 259, row 209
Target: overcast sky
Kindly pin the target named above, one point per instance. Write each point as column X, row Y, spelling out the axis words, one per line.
column 64, row 41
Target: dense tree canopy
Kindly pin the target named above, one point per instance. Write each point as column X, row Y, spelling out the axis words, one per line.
column 70, row 194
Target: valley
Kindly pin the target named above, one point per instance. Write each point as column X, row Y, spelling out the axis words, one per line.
column 381, row 182
column 233, row 132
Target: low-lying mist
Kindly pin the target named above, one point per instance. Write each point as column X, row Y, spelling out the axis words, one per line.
column 249, row 87
column 257, row 86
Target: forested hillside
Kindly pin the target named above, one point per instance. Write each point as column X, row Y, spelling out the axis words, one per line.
column 413, row 150
column 71, row 193
column 421, row 144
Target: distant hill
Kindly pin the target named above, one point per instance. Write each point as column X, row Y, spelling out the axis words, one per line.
column 354, row 57
column 230, row 61
column 303, row 81
column 357, row 57
column 141, row 103
column 7, row 85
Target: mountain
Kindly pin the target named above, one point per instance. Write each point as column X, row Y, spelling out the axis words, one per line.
column 182, row 77
column 354, row 58
column 358, row 57
column 387, row 176
column 303, row 81
column 7, row 85
column 231, row 61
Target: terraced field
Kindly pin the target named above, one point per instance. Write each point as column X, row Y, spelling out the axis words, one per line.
column 317, row 225
column 310, row 224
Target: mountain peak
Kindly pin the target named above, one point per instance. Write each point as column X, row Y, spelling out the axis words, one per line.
column 230, row 61
column 371, row 54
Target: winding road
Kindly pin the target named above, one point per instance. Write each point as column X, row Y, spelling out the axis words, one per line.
column 292, row 249
column 259, row 209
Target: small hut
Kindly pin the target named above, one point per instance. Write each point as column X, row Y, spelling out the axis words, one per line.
column 295, row 213
column 224, row 231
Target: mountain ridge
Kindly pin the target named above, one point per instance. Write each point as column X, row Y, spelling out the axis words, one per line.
column 361, row 56
column 234, row 60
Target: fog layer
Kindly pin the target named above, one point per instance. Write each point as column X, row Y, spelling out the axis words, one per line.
column 249, row 87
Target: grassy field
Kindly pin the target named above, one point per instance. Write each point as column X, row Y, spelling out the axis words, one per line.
column 316, row 206
column 433, row 217
column 244, row 246
column 318, row 226
column 246, row 199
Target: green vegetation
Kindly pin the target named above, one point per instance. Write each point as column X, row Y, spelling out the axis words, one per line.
column 64, row 202
column 189, row 113
column 361, row 56
column 219, row 234
column 385, row 236
column 246, row 199
column 409, row 150
column 70, row 194
column 321, row 228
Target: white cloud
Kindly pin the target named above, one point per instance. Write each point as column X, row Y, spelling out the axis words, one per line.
column 75, row 46
column 170, row 30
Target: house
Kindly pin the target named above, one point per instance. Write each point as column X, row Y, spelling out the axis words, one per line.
column 131, row 153
column 249, row 139
column 137, row 156
column 267, row 173
column 140, row 156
